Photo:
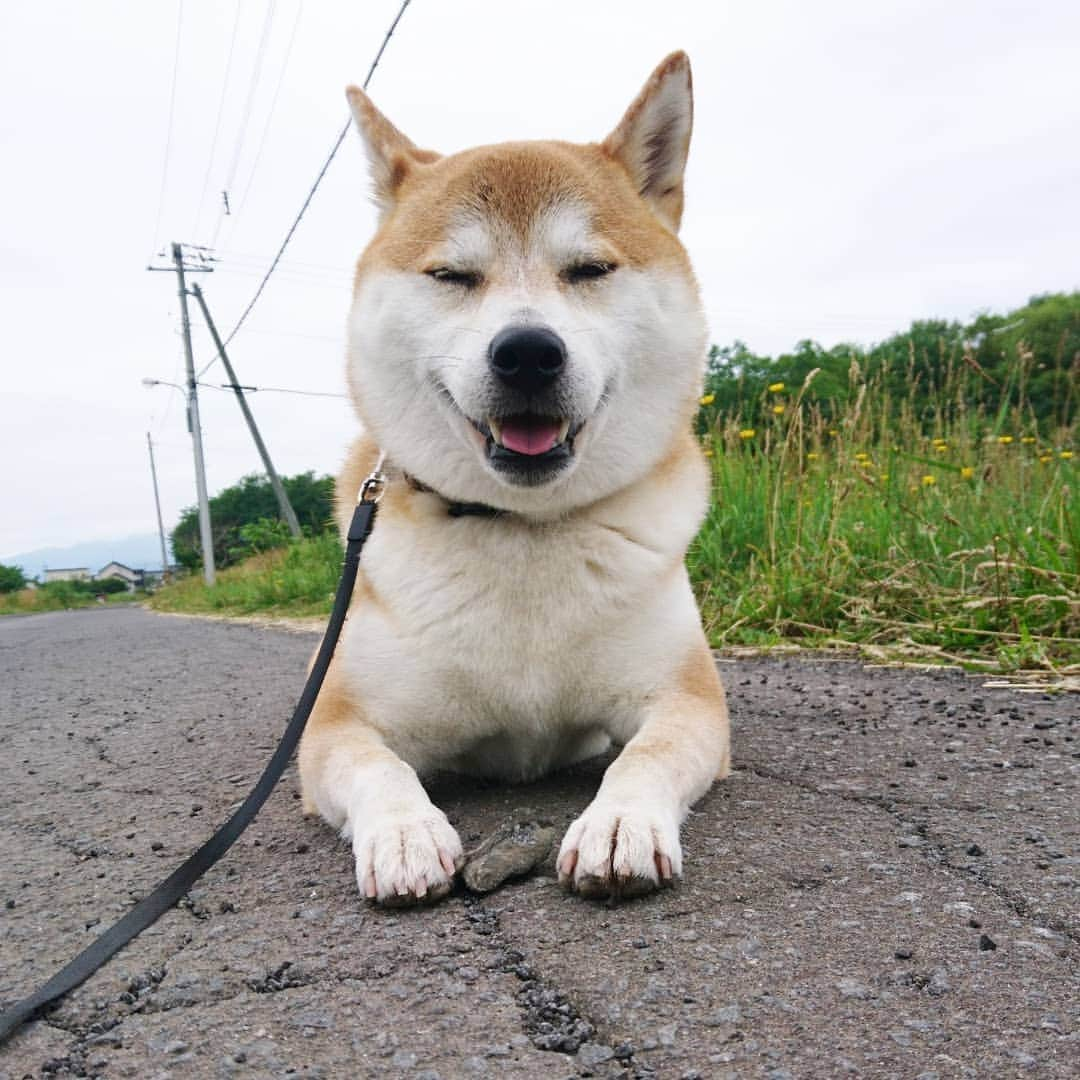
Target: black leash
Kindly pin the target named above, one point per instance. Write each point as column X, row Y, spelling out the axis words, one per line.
column 176, row 885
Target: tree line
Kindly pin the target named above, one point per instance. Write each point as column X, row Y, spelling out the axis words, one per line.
column 1029, row 358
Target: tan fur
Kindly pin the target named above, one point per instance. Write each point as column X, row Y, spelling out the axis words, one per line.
column 511, row 645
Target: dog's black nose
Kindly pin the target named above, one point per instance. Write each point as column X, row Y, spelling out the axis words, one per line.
column 527, row 358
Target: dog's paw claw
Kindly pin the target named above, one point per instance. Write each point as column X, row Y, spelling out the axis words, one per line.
column 407, row 859
column 620, row 853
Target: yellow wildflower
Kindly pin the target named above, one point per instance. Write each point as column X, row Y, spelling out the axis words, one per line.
column 708, row 399
column 833, row 432
column 708, row 451
column 776, row 388
column 1005, row 439
column 1028, row 439
column 778, row 410
column 1045, row 458
column 928, row 481
column 862, row 456
column 941, row 447
column 939, row 442
column 884, row 477
column 747, row 433
column 967, row 472
column 1066, row 455
column 811, row 456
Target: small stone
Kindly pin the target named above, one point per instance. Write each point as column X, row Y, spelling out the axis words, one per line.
column 510, row 852
column 591, row 1054
column 903, row 954
column 975, row 850
column 852, row 988
column 176, row 1046
column 157, row 845
column 1023, row 1058
column 986, row 943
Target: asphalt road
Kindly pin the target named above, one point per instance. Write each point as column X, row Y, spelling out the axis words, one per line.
column 886, row 886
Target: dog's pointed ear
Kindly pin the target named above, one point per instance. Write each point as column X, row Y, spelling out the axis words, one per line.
column 391, row 156
column 653, row 138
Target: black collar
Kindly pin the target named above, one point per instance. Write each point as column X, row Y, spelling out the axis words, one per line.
column 456, row 509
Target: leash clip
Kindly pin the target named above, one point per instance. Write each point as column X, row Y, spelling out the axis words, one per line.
column 371, row 490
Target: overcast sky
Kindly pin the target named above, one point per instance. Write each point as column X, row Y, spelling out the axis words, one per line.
column 855, row 165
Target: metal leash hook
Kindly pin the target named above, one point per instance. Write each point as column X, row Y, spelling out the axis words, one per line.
column 371, row 490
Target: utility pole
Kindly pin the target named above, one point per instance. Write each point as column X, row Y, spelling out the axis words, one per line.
column 165, row 575
column 287, row 512
column 205, row 535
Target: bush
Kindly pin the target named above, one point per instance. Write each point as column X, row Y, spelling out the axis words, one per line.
column 106, row 585
column 12, row 579
column 249, row 503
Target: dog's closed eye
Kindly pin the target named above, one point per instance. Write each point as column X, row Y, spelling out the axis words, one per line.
column 587, row 271
column 468, row 279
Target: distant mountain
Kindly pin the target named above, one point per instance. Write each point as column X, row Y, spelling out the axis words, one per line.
column 139, row 552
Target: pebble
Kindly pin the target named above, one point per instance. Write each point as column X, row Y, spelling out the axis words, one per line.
column 986, row 943
column 591, row 1053
column 852, row 988
column 510, row 852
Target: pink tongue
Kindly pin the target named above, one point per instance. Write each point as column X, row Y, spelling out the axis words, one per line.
column 529, row 434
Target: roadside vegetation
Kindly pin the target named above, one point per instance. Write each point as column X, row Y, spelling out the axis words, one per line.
column 915, row 500
column 57, row 595
column 297, row 579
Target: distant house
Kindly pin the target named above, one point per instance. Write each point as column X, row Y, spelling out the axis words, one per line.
column 132, row 578
column 68, row 573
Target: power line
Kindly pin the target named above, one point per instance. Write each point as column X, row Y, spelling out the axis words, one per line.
column 169, row 130
column 256, row 74
column 273, row 107
column 217, row 123
column 314, row 187
column 230, row 388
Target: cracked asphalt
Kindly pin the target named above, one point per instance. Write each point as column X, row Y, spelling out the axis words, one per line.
column 885, row 887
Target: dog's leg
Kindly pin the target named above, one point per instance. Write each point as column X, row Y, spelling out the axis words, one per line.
column 627, row 840
column 406, row 851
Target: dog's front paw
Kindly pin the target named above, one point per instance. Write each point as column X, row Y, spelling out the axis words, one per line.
column 620, row 850
column 407, row 858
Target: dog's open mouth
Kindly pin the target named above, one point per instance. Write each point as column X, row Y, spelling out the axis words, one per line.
column 527, row 446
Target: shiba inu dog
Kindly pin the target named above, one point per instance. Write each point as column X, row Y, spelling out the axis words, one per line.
column 526, row 347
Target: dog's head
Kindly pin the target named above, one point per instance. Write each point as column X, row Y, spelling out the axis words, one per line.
column 526, row 330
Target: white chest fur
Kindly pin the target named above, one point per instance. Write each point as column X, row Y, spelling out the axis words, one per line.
column 505, row 647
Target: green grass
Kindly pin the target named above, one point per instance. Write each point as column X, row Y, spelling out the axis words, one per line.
column 865, row 530
column 54, row 597
column 951, row 537
column 295, row 581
